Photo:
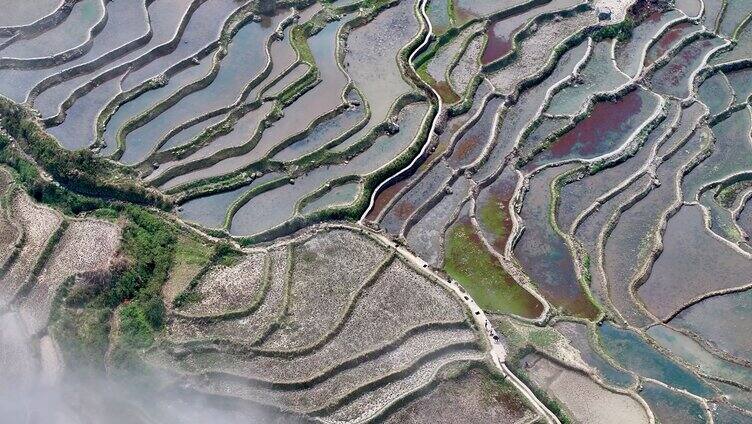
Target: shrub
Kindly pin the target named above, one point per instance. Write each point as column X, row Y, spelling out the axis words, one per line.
column 135, row 329
column 225, row 255
column 149, row 242
column 621, row 31
column 185, row 298
column 83, row 335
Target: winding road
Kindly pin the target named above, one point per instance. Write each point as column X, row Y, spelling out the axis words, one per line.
column 497, row 351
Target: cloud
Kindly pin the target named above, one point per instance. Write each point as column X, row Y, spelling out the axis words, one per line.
column 34, row 389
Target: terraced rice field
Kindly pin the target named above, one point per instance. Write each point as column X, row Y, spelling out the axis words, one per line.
column 383, row 210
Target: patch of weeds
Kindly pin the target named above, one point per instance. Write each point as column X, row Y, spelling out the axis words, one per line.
column 106, row 213
column 191, row 251
column 305, row 256
column 226, row 255
column 586, row 275
column 442, row 87
column 83, row 335
column 136, row 329
column 299, row 39
column 727, row 195
column 544, row 338
column 621, row 31
column 185, row 298
column 372, row 4
column 468, row 262
column 495, row 219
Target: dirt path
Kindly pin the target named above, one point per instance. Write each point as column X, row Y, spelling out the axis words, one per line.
column 497, row 351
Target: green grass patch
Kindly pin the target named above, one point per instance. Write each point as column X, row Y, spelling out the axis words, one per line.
column 727, row 194
column 373, row 4
column 299, row 39
column 226, row 255
column 222, row 254
column 451, row 11
column 495, row 219
column 543, row 337
column 106, row 213
column 586, row 275
column 191, row 251
column 481, row 274
column 424, row 75
column 621, row 31
column 442, row 87
column 192, row 255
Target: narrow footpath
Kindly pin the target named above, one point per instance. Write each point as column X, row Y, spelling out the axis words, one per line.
column 497, row 351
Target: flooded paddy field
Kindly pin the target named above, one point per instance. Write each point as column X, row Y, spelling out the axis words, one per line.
column 380, row 210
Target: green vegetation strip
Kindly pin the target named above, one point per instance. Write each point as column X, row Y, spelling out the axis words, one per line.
column 135, row 286
column 481, row 274
column 83, row 183
column 80, row 171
